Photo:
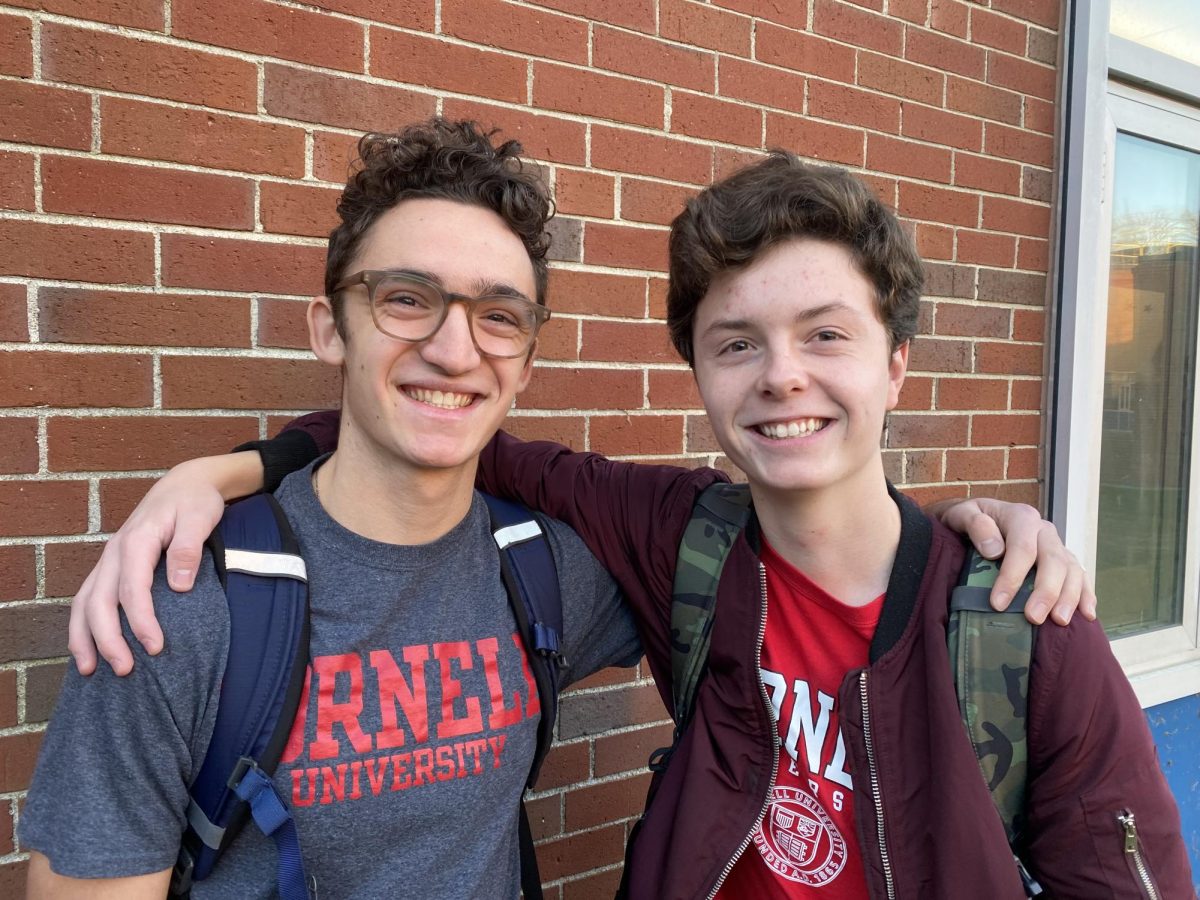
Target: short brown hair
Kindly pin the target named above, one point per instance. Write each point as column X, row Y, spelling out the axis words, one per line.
column 443, row 159
column 729, row 224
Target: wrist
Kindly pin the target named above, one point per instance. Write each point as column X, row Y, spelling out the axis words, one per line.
column 232, row 475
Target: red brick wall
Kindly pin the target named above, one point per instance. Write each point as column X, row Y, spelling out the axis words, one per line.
column 168, row 167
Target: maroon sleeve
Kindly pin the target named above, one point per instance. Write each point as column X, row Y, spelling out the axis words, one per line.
column 321, row 426
column 1092, row 762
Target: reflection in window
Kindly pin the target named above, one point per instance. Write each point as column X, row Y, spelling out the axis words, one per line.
column 1168, row 26
column 1149, row 375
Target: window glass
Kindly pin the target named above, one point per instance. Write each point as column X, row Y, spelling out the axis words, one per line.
column 1168, row 26
column 1149, row 377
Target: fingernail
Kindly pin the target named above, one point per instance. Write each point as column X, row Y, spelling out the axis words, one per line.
column 1037, row 609
column 1000, row 600
column 992, row 547
column 180, row 576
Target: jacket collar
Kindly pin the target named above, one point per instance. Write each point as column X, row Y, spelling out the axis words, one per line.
column 916, row 538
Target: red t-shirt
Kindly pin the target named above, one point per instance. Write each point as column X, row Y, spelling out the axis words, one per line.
column 806, row 846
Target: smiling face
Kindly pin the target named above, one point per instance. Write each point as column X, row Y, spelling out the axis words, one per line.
column 432, row 404
column 796, row 370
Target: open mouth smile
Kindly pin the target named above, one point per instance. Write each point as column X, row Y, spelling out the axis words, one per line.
column 779, row 431
column 439, row 399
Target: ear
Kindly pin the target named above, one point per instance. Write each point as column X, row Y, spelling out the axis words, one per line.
column 323, row 335
column 897, row 368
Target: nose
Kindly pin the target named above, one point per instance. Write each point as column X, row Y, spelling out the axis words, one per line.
column 451, row 348
column 783, row 371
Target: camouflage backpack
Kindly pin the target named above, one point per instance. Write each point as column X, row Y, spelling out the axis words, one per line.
column 989, row 651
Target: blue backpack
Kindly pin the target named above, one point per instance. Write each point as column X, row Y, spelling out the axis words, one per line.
column 258, row 561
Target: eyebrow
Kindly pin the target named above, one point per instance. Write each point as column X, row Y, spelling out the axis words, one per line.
column 483, row 287
column 807, row 315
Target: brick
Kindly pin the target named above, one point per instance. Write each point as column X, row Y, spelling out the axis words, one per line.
column 75, row 252
column 909, row 158
column 1009, row 359
column 1006, row 430
column 628, row 751
column 647, row 57
column 18, row 437
column 1046, row 13
column 543, row 136
column 333, row 155
column 924, row 430
column 986, row 248
column 132, row 65
column 1029, row 325
column 656, row 295
column 923, row 465
column 950, row 281
column 18, row 573
column 636, row 435
column 599, row 885
column 701, row 25
column 145, row 14
column 1023, row 462
column 700, row 437
column 894, row 76
column 205, row 383
column 972, row 320
column 16, row 181
column 974, row 465
column 718, row 120
column 1040, row 115
column 802, row 52
column 1042, row 46
column 636, row 14
column 499, row 24
column 946, row 53
column 46, row 116
column 983, row 100
column 435, row 63
column 41, row 690
column 582, row 852
column 949, row 17
column 282, row 323
column 80, row 316
column 566, row 430
column 635, row 153
column 576, row 388
column 764, row 85
column 8, row 718
column 559, row 339
column 987, row 174
column 1021, row 75
column 584, row 193
column 14, row 875
column 596, row 293
column 934, row 204
column 18, row 754
column 1033, row 254
column 98, row 444
column 339, row 101
column 816, row 140
column 16, row 46
column 609, row 801
column 1012, row 287
column 298, row 208
column 70, row 380
column 269, row 29
column 972, row 393
column 67, row 565
column 600, row 711
column 14, row 317
column 566, row 239
column 937, row 126
column 917, row 393
column 847, row 105
column 1014, row 143
column 566, row 764
column 999, row 32
column 793, row 13
column 26, row 633
column 652, row 201
column 196, row 137
column 857, row 27
column 119, row 496
column 230, row 264
column 113, row 190
column 1027, row 394
column 915, row 11
column 625, row 248
column 935, row 241
column 33, row 508
column 940, row 355
column 593, row 94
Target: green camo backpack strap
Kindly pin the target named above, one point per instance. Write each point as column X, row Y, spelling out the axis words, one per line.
column 990, row 654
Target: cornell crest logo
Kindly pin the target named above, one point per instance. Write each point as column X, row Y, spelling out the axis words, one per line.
column 798, row 840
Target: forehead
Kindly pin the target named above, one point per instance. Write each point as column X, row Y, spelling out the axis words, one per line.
column 462, row 244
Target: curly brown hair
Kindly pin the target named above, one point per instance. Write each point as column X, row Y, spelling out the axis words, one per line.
column 729, row 224
column 452, row 160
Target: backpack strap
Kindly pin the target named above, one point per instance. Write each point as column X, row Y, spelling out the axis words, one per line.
column 531, row 581
column 265, row 581
column 990, row 654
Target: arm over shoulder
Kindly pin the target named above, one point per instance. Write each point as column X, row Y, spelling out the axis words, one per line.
column 1101, row 818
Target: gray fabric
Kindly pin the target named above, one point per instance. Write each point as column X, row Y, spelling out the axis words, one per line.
column 109, row 795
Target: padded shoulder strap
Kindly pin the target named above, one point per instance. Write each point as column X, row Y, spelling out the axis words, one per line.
column 990, row 654
column 265, row 581
column 721, row 512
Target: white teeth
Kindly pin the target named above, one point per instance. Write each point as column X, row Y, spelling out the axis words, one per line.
column 795, row 428
column 442, row 399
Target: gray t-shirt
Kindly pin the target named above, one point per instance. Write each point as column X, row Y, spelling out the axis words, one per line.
column 413, row 741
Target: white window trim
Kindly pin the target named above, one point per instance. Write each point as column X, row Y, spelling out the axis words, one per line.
column 1162, row 665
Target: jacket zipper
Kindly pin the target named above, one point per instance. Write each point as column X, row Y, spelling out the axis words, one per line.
column 762, row 688
column 1133, row 851
column 876, row 795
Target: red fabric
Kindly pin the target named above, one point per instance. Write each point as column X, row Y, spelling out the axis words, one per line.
column 806, row 845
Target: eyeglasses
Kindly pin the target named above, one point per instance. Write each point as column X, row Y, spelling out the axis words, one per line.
column 411, row 308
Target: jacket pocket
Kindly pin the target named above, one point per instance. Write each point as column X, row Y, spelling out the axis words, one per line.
column 1124, row 819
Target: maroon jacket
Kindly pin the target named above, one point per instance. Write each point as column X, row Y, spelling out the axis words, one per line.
column 926, row 824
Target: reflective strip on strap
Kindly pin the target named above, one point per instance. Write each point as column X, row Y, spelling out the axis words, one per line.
column 209, row 833
column 515, row 534
column 255, row 562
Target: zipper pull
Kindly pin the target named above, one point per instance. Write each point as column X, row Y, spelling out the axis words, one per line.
column 1130, row 825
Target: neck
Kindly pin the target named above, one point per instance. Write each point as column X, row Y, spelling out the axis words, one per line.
column 384, row 501
column 843, row 537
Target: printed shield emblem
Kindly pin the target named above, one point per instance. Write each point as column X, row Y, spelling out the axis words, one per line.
column 798, row 839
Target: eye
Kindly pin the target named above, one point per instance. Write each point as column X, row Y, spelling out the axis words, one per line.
column 827, row 335
column 401, row 297
column 738, row 345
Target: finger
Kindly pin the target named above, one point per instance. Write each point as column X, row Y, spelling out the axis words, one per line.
column 1054, row 565
column 1019, row 557
column 985, row 535
column 79, row 638
column 1069, row 597
column 1087, row 604
column 100, row 614
column 192, row 528
column 138, row 560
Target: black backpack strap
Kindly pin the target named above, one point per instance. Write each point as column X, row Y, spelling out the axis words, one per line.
column 265, row 581
column 531, row 581
column 990, row 655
